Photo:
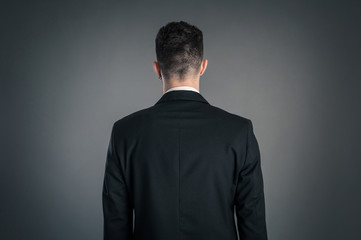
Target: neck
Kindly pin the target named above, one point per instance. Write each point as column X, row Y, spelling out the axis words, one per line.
column 171, row 84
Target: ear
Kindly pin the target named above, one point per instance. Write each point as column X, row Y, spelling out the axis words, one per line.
column 203, row 66
column 157, row 69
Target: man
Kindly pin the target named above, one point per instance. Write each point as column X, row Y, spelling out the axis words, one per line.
column 183, row 166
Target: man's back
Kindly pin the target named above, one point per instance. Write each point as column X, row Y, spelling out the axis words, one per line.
column 183, row 165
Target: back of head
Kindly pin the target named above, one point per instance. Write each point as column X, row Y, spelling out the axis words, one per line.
column 179, row 50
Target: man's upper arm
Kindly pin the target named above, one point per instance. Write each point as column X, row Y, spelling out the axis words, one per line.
column 117, row 208
column 250, row 202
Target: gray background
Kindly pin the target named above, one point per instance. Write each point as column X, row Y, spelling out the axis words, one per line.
column 69, row 69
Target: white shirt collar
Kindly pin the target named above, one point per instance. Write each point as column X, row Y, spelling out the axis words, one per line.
column 182, row 88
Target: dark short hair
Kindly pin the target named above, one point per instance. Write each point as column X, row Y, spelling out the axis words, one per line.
column 179, row 49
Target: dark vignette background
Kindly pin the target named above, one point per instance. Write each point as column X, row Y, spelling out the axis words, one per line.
column 69, row 69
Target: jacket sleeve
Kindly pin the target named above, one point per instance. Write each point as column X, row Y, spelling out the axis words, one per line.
column 250, row 201
column 117, row 208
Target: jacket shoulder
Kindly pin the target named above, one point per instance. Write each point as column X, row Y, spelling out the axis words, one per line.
column 130, row 124
column 231, row 117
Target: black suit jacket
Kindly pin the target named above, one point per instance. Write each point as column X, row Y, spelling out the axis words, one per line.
column 184, row 167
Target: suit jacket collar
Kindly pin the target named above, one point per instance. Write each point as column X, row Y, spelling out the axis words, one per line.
column 181, row 95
